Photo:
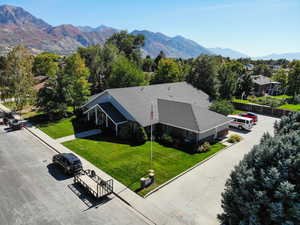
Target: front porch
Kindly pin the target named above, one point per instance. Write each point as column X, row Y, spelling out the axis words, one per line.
column 106, row 115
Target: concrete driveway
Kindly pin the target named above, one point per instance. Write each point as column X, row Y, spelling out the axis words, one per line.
column 34, row 192
column 195, row 198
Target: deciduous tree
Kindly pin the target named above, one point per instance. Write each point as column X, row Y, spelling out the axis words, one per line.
column 46, row 64
column 77, row 74
column 128, row 44
column 168, row 71
column 125, row 74
column 17, row 78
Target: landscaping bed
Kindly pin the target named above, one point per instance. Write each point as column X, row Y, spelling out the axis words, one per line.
column 128, row 163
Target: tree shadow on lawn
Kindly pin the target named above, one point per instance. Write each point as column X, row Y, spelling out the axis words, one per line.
column 111, row 139
column 79, row 124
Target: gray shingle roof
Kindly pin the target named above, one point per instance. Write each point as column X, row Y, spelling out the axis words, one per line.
column 178, row 104
column 262, row 80
column 137, row 100
column 188, row 116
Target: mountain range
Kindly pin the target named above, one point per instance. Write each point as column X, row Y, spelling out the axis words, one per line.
column 17, row 26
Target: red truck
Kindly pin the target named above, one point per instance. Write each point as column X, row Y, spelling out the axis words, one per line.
column 250, row 115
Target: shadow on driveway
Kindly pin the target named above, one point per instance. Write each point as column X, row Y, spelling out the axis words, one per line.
column 239, row 131
column 86, row 197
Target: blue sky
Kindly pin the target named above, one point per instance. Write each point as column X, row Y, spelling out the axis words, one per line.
column 254, row 27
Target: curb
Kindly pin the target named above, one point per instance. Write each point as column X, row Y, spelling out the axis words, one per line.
column 186, row 171
column 40, row 139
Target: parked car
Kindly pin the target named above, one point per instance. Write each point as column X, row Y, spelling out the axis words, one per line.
column 250, row 115
column 2, row 114
column 239, row 122
column 69, row 162
column 15, row 124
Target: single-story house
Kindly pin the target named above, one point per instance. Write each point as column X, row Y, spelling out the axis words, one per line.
column 264, row 85
column 176, row 109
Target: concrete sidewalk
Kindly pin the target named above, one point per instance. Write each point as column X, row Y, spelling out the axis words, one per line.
column 79, row 135
column 5, row 109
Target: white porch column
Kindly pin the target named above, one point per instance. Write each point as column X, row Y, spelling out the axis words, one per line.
column 88, row 115
column 116, row 129
column 106, row 121
column 216, row 132
column 96, row 116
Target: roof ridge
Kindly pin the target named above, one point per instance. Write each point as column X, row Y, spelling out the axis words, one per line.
column 151, row 85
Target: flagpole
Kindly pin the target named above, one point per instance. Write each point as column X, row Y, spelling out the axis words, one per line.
column 151, row 148
column 151, row 136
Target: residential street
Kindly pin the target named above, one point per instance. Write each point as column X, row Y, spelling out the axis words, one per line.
column 195, row 197
column 34, row 192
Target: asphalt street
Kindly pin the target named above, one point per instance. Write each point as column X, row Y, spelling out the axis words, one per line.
column 34, row 192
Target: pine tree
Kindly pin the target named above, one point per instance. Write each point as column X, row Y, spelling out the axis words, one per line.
column 264, row 188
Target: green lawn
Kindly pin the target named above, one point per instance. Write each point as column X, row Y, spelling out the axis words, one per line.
column 241, row 101
column 283, row 96
column 128, row 163
column 290, row 107
column 58, row 129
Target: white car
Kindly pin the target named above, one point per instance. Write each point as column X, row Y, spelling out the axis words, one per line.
column 239, row 122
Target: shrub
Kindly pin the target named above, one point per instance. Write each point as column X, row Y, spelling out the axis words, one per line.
column 268, row 101
column 222, row 107
column 234, row 138
column 140, row 135
column 296, row 100
column 205, row 147
column 167, row 140
column 125, row 132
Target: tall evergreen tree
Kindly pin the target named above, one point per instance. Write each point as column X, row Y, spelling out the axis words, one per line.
column 244, row 86
column 160, row 56
column 294, row 79
column 204, row 75
column 228, row 81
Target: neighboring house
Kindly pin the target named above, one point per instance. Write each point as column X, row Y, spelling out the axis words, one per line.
column 264, row 85
column 179, row 110
column 249, row 67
